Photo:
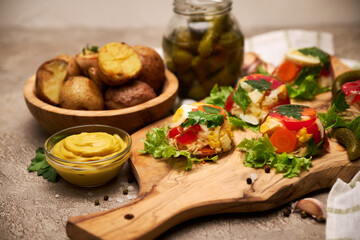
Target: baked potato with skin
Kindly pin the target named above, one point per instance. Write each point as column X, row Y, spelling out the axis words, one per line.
column 153, row 68
column 81, row 93
column 72, row 68
column 49, row 80
column 130, row 94
column 118, row 63
column 86, row 59
column 94, row 75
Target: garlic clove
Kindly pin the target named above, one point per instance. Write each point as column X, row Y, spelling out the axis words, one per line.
column 313, row 207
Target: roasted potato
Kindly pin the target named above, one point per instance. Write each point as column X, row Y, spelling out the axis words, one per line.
column 87, row 59
column 118, row 63
column 49, row 80
column 72, row 68
column 81, row 93
column 131, row 94
column 94, row 75
column 153, row 68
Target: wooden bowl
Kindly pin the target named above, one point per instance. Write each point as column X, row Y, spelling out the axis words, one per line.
column 130, row 119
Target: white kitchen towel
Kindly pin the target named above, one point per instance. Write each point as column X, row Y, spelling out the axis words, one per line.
column 343, row 210
column 272, row 46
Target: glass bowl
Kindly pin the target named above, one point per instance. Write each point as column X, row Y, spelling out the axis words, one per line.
column 93, row 172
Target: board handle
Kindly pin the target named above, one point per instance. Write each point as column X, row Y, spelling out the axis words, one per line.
column 146, row 217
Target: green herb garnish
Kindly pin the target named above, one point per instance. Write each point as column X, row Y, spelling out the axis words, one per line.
column 261, row 152
column 94, row 49
column 339, row 102
column 241, row 98
column 156, row 144
column 316, row 52
column 42, row 167
column 211, row 117
column 291, row 110
column 261, row 85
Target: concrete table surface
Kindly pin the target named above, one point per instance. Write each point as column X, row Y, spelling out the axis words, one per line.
column 32, row 208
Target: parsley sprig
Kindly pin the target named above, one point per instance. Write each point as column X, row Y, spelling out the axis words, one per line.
column 291, row 110
column 42, row 167
column 241, row 98
column 261, row 85
column 94, row 49
column 316, row 52
column 211, row 117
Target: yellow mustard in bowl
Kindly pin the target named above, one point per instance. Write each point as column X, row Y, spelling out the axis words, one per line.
column 88, row 155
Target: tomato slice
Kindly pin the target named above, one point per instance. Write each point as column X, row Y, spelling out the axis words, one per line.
column 315, row 131
column 296, row 125
column 174, row 132
column 196, row 128
column 352, row 88
column 187, row 137
column 229, row 103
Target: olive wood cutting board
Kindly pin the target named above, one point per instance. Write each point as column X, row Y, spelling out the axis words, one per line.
column 170, row 195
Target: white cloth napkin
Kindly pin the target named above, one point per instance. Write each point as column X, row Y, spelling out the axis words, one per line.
column 272, row 46
column 343, row 210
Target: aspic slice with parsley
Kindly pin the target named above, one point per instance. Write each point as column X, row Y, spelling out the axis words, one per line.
column 291, row 136
column 307, row 72
column 198, row 132
column 254, row 96
column 295, row 129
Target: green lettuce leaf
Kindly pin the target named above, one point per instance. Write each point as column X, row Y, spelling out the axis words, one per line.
column 218, row 95
column 239, row 123
column 307, row 89
column 156, row 144
column 331, row 119
column 261, row 152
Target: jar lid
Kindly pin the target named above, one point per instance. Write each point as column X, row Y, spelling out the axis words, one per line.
column 194, row 7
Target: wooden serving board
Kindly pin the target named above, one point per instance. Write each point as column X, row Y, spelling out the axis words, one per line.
column 170, row 195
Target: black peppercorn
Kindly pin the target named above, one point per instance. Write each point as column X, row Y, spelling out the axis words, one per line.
column 106, row 197
column 267, row 169
column 125, row 191
column 287, row 212
column 97, row 202
column 248, row 180
column 303, row 214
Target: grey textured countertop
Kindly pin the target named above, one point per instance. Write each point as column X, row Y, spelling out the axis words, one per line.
column 32, row 208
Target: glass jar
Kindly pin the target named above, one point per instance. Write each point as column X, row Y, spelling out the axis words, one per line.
column 203, row 46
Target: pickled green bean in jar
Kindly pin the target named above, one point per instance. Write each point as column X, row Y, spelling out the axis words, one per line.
column 203, row 46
